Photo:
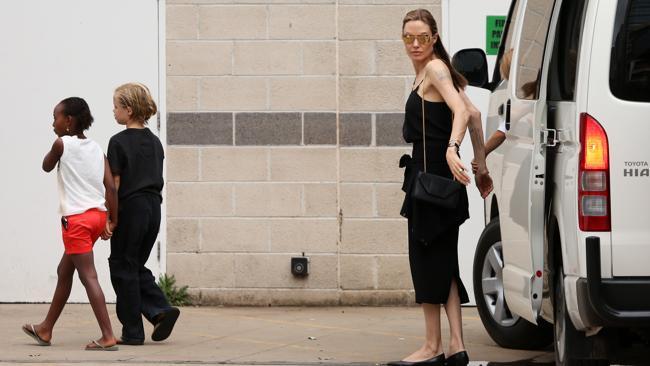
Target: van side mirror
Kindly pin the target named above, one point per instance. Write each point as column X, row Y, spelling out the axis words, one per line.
column 472, row 64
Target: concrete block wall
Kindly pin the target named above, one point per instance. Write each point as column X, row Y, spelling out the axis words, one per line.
column 284, row 135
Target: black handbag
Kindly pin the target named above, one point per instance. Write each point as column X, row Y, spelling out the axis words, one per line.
column 432, row 188
column 437, row 190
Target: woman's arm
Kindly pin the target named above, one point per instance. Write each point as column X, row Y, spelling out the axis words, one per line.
column 476, row 133
column 492, row 143
column 53, row 156
column 438, row 75
column 482, row 177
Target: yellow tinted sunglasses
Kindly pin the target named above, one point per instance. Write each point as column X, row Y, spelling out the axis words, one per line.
column 422, row 38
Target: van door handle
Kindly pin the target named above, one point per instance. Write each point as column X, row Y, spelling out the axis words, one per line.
column 508, row 115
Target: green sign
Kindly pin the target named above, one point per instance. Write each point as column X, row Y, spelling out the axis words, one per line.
column 493, row 31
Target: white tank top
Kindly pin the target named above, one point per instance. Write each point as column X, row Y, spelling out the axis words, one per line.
column 81, row 176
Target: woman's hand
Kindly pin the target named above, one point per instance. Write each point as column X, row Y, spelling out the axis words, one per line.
column 456, row 166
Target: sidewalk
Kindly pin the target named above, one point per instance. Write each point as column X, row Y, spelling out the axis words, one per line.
column 250, row 336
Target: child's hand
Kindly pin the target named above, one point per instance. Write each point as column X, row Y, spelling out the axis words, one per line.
column 108, row 230
column 484, row 183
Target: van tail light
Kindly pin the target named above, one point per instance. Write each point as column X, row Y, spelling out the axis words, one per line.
column 593, row 185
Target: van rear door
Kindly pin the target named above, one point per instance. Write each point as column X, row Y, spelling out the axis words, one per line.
column 521, row 208
column 619, row 99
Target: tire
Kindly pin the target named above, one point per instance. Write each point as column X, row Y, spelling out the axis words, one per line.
column 506, row 329
column 567, row 340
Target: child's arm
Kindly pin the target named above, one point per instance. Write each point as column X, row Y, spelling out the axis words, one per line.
column 53, row 156
column 111, row 201
column 116, row 178
column 494, row 141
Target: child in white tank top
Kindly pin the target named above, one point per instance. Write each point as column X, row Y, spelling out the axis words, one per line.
column 86, row 188
column 80, row 175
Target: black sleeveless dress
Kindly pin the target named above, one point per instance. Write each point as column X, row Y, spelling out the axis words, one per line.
column 432, row 230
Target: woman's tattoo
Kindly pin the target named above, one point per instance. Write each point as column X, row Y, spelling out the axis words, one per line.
column 476, row 135
column 442, row 75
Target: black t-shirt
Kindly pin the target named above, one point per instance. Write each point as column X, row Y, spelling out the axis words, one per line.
column 136, row 155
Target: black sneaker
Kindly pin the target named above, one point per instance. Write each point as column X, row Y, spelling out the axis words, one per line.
column 164, row 324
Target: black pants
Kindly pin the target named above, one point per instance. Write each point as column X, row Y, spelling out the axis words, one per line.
column 134, row 284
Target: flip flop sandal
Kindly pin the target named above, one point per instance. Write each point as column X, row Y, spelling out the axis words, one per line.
column 32, row 333
column 163, row 328
column 99, row 347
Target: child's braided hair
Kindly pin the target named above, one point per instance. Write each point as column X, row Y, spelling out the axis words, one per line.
column 78, row 109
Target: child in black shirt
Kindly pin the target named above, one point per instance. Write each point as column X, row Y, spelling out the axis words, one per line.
column 136, row 158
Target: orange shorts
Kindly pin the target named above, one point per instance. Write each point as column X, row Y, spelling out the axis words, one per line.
column 80, row 232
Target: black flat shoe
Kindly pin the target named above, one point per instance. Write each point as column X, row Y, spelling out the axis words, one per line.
column 458, row 359
column 165, row 324
column 438, row 360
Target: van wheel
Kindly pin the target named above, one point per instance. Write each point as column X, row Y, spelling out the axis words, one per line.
column 568, row 340
column 505, row 328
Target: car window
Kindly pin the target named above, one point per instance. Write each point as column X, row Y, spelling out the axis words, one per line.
column 530, row 49
column 563, row 68
column 629, row 76
column 506, row 41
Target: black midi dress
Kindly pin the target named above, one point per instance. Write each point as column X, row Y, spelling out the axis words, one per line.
column 432, row 230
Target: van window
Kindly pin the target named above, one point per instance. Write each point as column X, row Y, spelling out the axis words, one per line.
column 511, row 28
column 563, row 68
column 506, row 40
column 532, row 43
column 629, row 75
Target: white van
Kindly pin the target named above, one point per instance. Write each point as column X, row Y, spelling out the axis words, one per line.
column 567, row 240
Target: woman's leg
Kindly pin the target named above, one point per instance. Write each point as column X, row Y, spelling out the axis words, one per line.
column 85, row 266
column 454, row 315
column 433, row 340
column 64, row 272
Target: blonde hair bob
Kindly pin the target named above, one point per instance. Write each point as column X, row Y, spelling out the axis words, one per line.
column 137, row 97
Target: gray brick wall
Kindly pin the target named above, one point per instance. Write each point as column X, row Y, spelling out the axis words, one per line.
column 284, row 128
column 284, row 134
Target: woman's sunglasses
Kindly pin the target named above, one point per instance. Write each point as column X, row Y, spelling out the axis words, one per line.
column 422, row 38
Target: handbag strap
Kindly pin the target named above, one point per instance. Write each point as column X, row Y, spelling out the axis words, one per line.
column 424, row 134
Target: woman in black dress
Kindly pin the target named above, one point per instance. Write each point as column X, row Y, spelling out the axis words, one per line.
column 433, row 231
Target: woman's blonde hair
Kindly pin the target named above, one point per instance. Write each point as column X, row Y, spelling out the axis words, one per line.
column 138, row 98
